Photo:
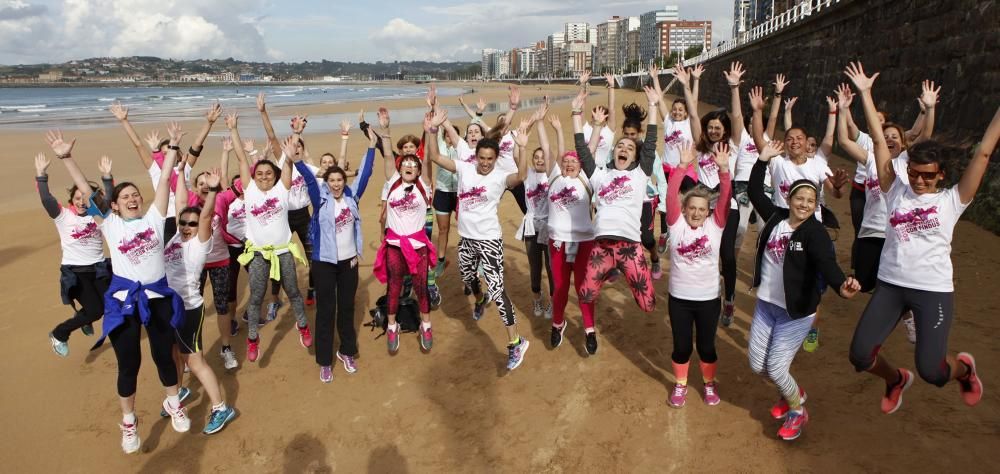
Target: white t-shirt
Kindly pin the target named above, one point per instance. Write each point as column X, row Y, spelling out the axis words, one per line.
column 694, row 260
column 184, row 262
column 536, row 193
column 80, row 238
column 478, row 197
column 344, row 221
column 506, row 159
column 619, row 196
column 746, row 157
column 874, row 221
column 136, row 247
column 298, row 193
column 395, row 177
column 406, row 213
column 604, row 144
column 865, row 142
column 237, row 223
column 267, row 215
column 708, row 173
column 917, row 251
column 784, row 172
column 772, row 270
column 569, row 208
column 219, row 251
column 674, row 135
column 466, row 153
column 155, row 173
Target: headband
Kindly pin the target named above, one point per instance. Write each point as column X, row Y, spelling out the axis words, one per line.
column 804, row 183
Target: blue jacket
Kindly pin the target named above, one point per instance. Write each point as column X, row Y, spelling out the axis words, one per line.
column 116, row 311
column 322, row 225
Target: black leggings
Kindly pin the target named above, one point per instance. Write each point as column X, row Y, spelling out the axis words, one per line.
column 298, row 221
column 646, row 226
column 518, row 192
column 537, row 254
column 125, row 340
column 866, row 254
column 932, row 312
column 687, row 317
column 727, row 251
column 89, row 292
column 336, row 287
column 857, row 207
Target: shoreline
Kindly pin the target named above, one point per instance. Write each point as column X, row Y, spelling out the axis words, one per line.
column 155, row 84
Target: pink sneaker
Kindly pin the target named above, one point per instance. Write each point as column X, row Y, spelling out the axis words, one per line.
column 305, row 337
column 780, row 409
column 712, row 394
column 253, row 349
column 970, row 385
column 679, row 396
column 794, row 422
column 893, row 398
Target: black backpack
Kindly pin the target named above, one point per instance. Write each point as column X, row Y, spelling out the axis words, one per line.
column 407, row 317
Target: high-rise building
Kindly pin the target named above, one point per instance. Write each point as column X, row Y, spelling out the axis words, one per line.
column 606, row 52
column 742, row 17
column 524, row 61
column 553, row 52
column 576, row 32
column 487, row 62
column 649, row 40
column 678, row 36
column 626, row 27
column 579, row 56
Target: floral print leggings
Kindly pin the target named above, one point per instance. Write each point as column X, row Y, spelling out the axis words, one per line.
column 630, row 260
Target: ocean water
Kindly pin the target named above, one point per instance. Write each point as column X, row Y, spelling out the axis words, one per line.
column 87, row 107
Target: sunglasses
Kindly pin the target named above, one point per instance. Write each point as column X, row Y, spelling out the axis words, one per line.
column 409, row 164
column 927, row 175
column 187, row 223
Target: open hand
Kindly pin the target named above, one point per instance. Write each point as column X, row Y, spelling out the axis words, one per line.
column 345, row 127
column 929, row 95
column 652, row 95
column 688, row 153
column 213, row 178
column 735, row 74
column 232, row 118
column 119, row 111
column 260, row 102
column 175, row 132
column 383, row 117
column 58, row 144
column 856, row 72
column 771, row 150
column 227, row 144
column 41, row 164
column 153, row 141
column 104, row 165
column 779, row 83
column 213, row 112
column 720, row 154
column 756, row 98
column 599, row 115
column 288, row 147
column 299, row 123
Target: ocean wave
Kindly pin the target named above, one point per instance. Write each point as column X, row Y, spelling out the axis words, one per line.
column 187, row 97
column 22, row 108
column 283, row 95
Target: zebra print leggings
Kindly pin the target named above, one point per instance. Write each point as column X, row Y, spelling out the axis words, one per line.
column 490, row 253
column 774, row 339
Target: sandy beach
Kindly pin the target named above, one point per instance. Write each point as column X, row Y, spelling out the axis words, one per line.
column 457, row 409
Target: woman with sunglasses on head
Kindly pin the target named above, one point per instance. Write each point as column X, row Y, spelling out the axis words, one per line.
column 84, row 272
column 915, row 271
column 138, row 295
column 269, row 251
column 534, row 228
column 793, row 250
column 337, row 248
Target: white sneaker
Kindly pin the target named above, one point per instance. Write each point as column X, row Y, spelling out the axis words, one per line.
column 178, row 418
column 229, row 359
column 548, row 311
column 911, row 327
column 130, row 437
column 537, row 306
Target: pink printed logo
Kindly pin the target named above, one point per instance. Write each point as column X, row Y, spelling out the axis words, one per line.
column 136, row 248
column 751, row 147
column 471, row 158
column 776, row 248
column 405, row 204
column 708, row 165
column 672, row 138
column 266, row 211
column 873, row 188
column 695, row 250
column 298, row 182
column 343, row 219
column 88, row 231
column 565, row 197
column 506, row 147
column 538, row 194
column 784, row 187
column 172, row 253
column 239, row 214
column 915, row 221
column 472, row 198
column 618, row 188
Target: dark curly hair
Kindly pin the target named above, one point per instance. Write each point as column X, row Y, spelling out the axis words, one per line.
column 635, row 116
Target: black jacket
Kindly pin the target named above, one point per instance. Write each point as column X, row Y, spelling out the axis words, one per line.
column 810, row 251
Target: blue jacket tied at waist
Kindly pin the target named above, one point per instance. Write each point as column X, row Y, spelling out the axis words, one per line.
column 116, row 311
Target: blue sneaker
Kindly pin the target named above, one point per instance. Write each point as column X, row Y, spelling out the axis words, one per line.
column 434, row 295
column 182, row 394
column 477, row 311
column 218, row 419
column 272, row 311
column 515, row 353
column 60, row 348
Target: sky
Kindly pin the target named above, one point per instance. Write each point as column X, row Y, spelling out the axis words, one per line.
column 40, row 31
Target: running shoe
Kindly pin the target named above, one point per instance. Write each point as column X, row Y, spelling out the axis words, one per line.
column 893, row 398
column 261, row 321
column 794, row 422
column 60, row 348
column 780, row 409
column 479, row 308
column 712, row 394
column 557, row 335
column 326, row 374
column 130, row 437
column 87, row 329
column 348, row 362
column 728, row 309
column 661, row 245
column 272, row 311
column 466, row 289
column 434, row 295
column 439, row 269
column 426, row 338
column 548, row 311
column 218, row 419
column 970, row 385
column 253, row 348
column 515, row 353
column 656, row 272
column 812, row 341
column 392, row 339
column 591, row 343
column 310, row 297
column 679, row 396
column 305, row 337
column 234, row 327
column 537, row 307
column 182, row 395
column 613, row 275
column 178, row 418
column 229, row 359
column 911, row 327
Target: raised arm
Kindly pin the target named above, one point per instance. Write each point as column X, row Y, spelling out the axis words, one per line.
column 180, row 194
column 345, row 136
column 760, row 200
column 107, row 180
column 612, row 111
column 647, row 155
column 49, row 202
column 685, row 78
column 587, row 163
column 162, row 197
column 918, row 123
column 599, row 118
column 847, row 144
column 772, row 119
column 687, row 156
column 288, row 148
column 974, row 172
column 364, row 175
column 389, row 159
column 272, row 139
column 214, row 182
column 199, row 140
column 227, row 149
column 654, row 78
column 757, row 119
column 560, row 138
column 695, row 79
column 928, row 98
column 720, row 154
column 433, row 120
column 852, row 128
column 883, row 160
column 733, row 77
column 514, row 101
column 521, row 139
column 789, row 105
column 543, row 139
column 121, row 113
column 245, row 177
column 826, row 146
column 468, row 110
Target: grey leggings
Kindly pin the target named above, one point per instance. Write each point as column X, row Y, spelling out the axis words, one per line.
column 260, row 270
column 932, row 312
column 774, row 339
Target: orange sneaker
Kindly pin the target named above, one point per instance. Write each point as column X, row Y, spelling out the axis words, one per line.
column 893, row 398
column 970, row 385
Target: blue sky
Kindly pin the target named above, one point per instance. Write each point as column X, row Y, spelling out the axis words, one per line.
column 34, row 31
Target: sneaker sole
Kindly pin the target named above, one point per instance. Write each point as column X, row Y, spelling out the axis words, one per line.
column 982, row 388
column 231, row 417
column 899, row 404
column 792, row 438
column 562, row 331
column 524, row 351
column 802, row 401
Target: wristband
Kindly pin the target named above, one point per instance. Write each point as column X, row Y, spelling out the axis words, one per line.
column 216, row 189
column 173, row 147
column 577, row 112
column 479, row 114
column 252, row 152
column 921, row 112
column 345, row 137
column 63, row 157
column 433, row 130
column 833, row 112
column 513, row 107
column 777, row 94
column 195, row 153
